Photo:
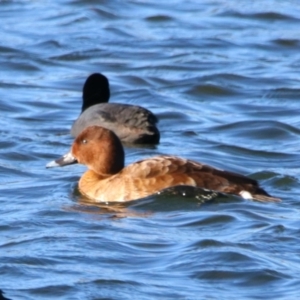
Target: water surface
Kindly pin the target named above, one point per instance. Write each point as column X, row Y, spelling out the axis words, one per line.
column 222, row 76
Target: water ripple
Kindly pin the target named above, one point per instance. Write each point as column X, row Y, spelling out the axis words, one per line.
column 223, row 78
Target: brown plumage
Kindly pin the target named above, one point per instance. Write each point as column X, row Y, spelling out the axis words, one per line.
column 108, row 180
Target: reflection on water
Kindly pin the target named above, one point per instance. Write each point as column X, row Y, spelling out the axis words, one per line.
column 174, row 198
column 223, row 78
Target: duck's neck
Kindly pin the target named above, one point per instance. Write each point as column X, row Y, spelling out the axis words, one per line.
column 94, row 99
column 89, row 182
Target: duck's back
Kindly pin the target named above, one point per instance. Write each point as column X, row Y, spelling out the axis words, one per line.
column 149, row 176
column 165, row 171
column 132, row 124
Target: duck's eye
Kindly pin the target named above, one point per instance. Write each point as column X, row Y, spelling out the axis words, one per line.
column 84, row 141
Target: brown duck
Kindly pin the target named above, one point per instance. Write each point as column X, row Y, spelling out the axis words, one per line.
column 108, row 180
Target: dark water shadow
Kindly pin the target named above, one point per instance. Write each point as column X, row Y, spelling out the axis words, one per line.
column 2, row 297
column 179, row 198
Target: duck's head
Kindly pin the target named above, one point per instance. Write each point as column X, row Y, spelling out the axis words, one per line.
column 98, row 148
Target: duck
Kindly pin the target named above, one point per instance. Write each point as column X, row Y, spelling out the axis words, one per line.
column 109, row 180
column 131, row 123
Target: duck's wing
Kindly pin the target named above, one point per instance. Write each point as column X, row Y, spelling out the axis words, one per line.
column 165, row 171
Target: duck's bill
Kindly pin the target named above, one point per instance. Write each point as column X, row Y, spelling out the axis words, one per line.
column 67, row 159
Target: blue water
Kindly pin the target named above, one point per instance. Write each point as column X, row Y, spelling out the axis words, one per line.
column 223, row 78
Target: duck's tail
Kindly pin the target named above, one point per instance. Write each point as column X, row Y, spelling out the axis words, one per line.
column 263, row 197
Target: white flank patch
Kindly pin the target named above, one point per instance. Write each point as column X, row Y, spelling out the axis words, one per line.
column 246, row 195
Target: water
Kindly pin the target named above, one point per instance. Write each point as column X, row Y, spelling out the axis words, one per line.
column 223, row 78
